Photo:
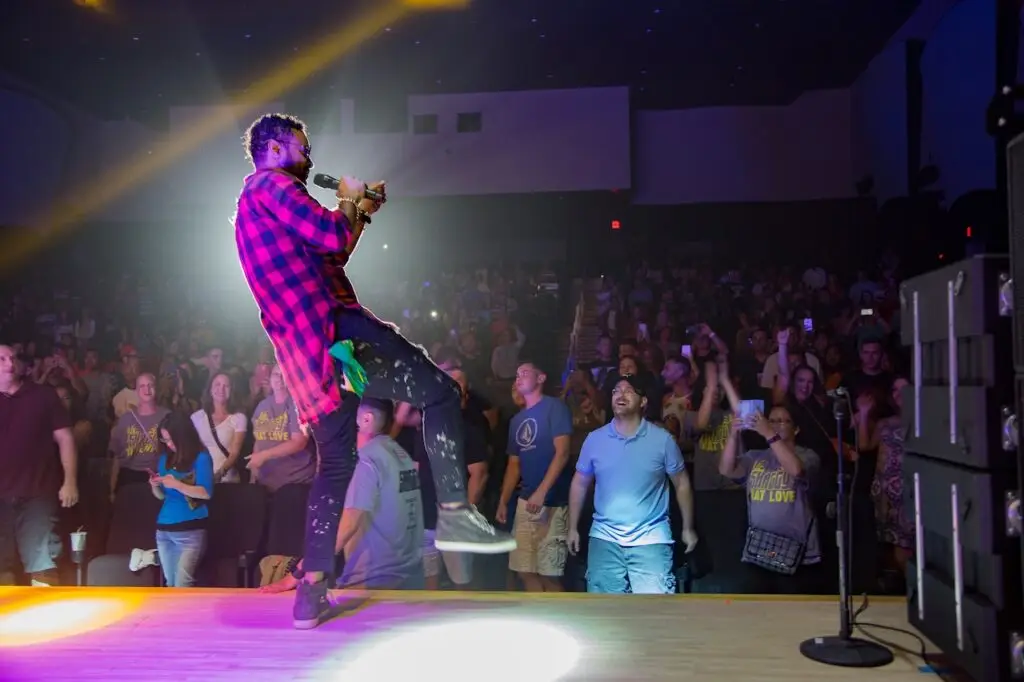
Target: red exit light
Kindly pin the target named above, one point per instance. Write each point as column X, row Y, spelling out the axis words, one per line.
column 968, row 231
column 616, row 225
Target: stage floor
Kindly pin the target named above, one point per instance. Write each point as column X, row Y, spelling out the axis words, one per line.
column 231, row 635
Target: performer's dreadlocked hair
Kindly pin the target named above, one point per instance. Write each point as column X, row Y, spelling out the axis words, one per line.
column 266, row 128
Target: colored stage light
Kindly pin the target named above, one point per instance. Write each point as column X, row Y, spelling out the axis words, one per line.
column 60, row 615
column 459, row 650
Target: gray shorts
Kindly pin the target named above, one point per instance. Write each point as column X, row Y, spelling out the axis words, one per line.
column 27, row 529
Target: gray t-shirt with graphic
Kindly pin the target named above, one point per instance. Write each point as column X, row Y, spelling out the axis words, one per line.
column 274, row 423
column 134, row 441
column 780, row 504
column 708, row 445
column 386, row 486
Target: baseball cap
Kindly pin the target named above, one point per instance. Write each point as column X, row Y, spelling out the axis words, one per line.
column 635, row 383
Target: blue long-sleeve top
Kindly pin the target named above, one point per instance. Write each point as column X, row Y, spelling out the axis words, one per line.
column 178, row 511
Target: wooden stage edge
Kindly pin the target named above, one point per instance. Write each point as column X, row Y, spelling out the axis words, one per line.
column 231, row 635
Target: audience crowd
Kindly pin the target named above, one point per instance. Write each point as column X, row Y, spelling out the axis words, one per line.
column 722, row 383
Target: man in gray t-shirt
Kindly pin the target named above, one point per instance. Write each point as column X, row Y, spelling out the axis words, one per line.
column 383, row 509
column 777, row 502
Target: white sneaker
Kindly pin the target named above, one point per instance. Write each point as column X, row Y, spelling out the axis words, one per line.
column 141, row 558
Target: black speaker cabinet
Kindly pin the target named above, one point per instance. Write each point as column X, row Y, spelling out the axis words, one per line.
column 961, row 520
column 956, row 319
column 970, row 630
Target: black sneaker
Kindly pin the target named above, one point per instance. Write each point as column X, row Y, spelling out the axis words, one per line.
column 466, row 530
column 311, row 604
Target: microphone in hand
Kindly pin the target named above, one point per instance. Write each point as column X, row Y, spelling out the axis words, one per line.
column 377, row 194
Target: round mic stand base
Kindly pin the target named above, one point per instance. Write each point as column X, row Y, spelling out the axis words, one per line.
column 846, row 652
column 843, row 650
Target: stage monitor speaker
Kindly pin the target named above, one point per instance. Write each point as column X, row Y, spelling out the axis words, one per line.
column 974, row 635
column 961, row 463
column 964, row 527
column 960, row 402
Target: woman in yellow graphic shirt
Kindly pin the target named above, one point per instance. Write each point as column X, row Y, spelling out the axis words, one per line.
column 778, row 480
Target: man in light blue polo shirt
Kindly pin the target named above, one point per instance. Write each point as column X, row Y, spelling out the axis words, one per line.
column 630, row 539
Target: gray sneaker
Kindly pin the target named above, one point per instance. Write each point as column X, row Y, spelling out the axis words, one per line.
column 311, row 604
column 466, row 530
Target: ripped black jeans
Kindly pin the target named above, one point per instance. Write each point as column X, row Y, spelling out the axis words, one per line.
column 396, row 370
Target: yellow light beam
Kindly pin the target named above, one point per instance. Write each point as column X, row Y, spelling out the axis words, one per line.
column 85, row 200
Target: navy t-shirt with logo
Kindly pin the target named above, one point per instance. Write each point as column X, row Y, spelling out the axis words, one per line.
column 531, row 438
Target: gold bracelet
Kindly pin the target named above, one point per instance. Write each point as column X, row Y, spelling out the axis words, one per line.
column 361, row 215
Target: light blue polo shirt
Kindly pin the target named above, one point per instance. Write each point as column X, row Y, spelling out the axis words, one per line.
column 630, row 485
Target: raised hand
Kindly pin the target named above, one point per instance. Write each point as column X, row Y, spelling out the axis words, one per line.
column 369, row 205
column 711, row 375
column 763, row 426
column 351, row 189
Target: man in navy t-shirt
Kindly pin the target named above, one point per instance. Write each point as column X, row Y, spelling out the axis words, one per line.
column 538, row 452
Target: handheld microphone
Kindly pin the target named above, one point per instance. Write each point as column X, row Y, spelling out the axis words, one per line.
column 327, row 182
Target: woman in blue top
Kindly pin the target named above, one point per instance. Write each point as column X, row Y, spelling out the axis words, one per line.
column 185, row 483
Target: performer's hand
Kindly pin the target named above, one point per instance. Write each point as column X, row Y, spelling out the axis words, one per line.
column 573, row 541
column 351, row 188
column 369, row 205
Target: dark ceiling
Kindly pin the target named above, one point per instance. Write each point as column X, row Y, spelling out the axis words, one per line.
column 135, row 58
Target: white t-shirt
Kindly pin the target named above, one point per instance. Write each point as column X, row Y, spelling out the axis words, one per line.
column 226, row 430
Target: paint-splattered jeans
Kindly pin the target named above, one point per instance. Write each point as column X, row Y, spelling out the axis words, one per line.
column 397, row 370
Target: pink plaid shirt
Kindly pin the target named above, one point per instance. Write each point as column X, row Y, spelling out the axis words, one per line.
column 292, row 252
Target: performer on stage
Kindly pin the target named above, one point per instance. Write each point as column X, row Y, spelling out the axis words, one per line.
column 293, row 252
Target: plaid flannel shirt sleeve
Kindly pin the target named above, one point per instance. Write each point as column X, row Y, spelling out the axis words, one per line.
column 324, row 229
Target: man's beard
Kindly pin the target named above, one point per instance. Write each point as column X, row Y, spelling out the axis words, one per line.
column 301, row 171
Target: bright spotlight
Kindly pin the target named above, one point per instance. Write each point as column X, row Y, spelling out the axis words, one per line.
column 47, row 619
column 433, row 314
column 460, row 650
column 385, row 247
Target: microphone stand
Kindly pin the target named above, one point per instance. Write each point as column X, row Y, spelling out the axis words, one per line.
column 844, row 650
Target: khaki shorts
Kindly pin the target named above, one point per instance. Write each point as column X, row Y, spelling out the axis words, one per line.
column 541, row 541
column 458, row 565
